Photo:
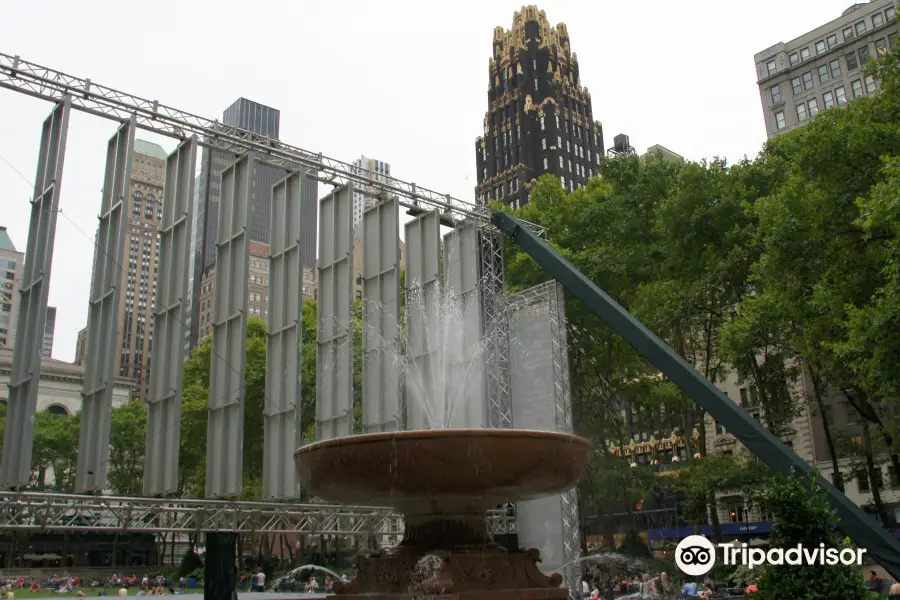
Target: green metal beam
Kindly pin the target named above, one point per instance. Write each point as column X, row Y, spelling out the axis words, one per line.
column 862, row 529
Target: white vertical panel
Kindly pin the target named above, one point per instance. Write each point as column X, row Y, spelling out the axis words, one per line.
column 463, row 346
column 423, row 298
column 167, row 357
column 283, row 429
column 225, row 431
column 18, row 441
column 334, row 360
column 102, row 334
column 381, row 317
column 540, row 395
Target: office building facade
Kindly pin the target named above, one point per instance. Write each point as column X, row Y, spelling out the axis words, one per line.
column 539, row 119
column 258, row 292
column 261, row 120
column 138, row 279
column 363, row 197
column 822, row 69
column 11, row 268
column 49, row 330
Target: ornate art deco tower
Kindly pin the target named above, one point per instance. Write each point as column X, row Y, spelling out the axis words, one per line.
column 539, row 117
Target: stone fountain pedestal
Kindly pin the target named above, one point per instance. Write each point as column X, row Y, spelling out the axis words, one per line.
column 442, row 481
column 496, row 575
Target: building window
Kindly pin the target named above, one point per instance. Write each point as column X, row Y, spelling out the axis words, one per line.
column 823, row 73
column 880, row 47
column 835, row 68
column 570, row 166
column 841, row 96
column 856, row 85
column 890, row 13
column 795, row 59
column 870, row 84
column 804, row 54
column 863, row 55
column 545, row 163
column 813, row 108
column 820, row 46
column 801, row 112
column 832, row 40
column 779, row 120
column 568, row 146
column 542, row 122
column 828, row 97
column 877, row 20
column 535, row 84
column 561, row 162
column 562, row 180
column 852, row 63
column 543, row 143
column 795, row 83
column 749, row 398
column 807, row 80
column 770, row 67
column 848, row 33
column 559, row 142
column 860, row 28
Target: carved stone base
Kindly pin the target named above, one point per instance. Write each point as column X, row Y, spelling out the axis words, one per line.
column 442, row 573
column 528, row 594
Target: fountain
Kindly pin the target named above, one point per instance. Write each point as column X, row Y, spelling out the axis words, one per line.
column 443, row 481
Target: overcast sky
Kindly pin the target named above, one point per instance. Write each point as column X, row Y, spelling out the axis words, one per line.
column 401, row 81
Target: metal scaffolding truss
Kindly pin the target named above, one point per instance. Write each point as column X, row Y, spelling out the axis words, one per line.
column 51, row 85
column 495, row 327
column 34, row 511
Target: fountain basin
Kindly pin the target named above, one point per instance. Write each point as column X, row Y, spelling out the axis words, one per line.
column 485, row 466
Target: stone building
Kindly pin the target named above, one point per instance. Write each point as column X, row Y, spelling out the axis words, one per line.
column 822, row 68
column 539, row 119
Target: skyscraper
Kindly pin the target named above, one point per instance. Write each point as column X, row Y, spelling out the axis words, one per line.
column 49, row 330
column 262, row 120
column 822, row 68
column 135, row 312
column 11, row 266
column 377, row 170
column 539, row 119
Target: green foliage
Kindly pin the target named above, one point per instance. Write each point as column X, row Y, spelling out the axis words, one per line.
column 127, row 433
column 803, row 516
column 190, row 563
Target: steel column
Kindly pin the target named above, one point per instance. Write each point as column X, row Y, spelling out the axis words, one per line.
column 18, row 440
column 103, row 338
column 283, row 431
column 225, row 431
column 167, row 357
column 381, row 317
column 334, row 360
column 866, row 532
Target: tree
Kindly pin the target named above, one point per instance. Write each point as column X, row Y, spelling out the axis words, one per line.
column 55, row 450
column 803, row 516
column 127, row 433
column 826, row 252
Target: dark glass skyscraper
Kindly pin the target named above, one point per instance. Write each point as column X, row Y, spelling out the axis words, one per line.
column 539, row 119
column 262, row 120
